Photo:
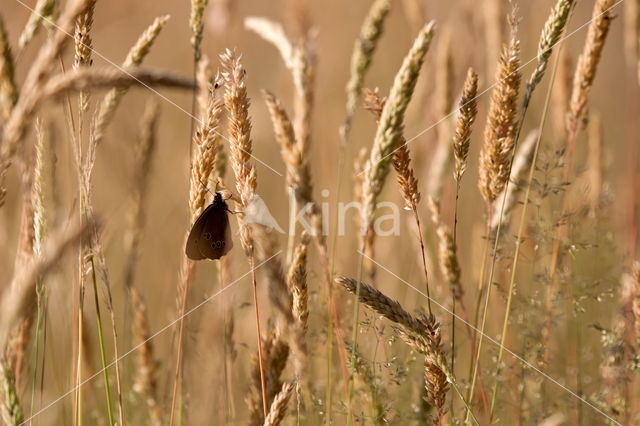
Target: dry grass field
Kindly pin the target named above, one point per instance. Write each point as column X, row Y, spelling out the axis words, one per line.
column 299, row 212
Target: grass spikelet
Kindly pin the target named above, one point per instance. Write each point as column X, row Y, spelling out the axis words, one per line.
column 551, row 33
column 279, row 406
column 468, row 110
column 145, row 381
column 297, row 282
column 8, row 90
column 499, row 134
column 42, row 12
column 135, row 56
column 588, row 62
column 361, row 58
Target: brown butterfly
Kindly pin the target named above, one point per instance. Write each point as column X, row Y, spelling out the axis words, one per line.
column 210, row 236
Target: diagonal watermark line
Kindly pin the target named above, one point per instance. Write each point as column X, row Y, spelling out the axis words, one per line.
column 153, row 336
column 123, row 70
column 515, row 355
column 479, row 95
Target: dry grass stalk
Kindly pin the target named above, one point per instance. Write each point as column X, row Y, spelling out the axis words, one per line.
column 361, row 58
column 97, row 78
column 197, row 26
column 468, row 110
column 143, row 153
column 499, row 134
column 42, row 12
column 367, row 239
column 134, row 58
column 10, row 409
column 519, row 169
column 145, row 381
column 588, row 62
column 8, row 89
column 279, row 406
column 389, row 132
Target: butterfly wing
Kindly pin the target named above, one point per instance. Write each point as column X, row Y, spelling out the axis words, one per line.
column 213, row 240
column 192, row 249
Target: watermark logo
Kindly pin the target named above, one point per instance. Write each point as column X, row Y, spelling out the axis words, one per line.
column 386, row 222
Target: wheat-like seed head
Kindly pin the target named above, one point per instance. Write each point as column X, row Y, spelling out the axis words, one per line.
column 551, row 33
column 499, row 134
column 82, row 36
column 239, row 124
column 448, row 257
column 588, row 61
column 197, row 26
column 206, row 139
column 362, row 55
column 468, row 110
column 42, row 12
column 298, row 174
column 390, row 128
column 278, row 409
